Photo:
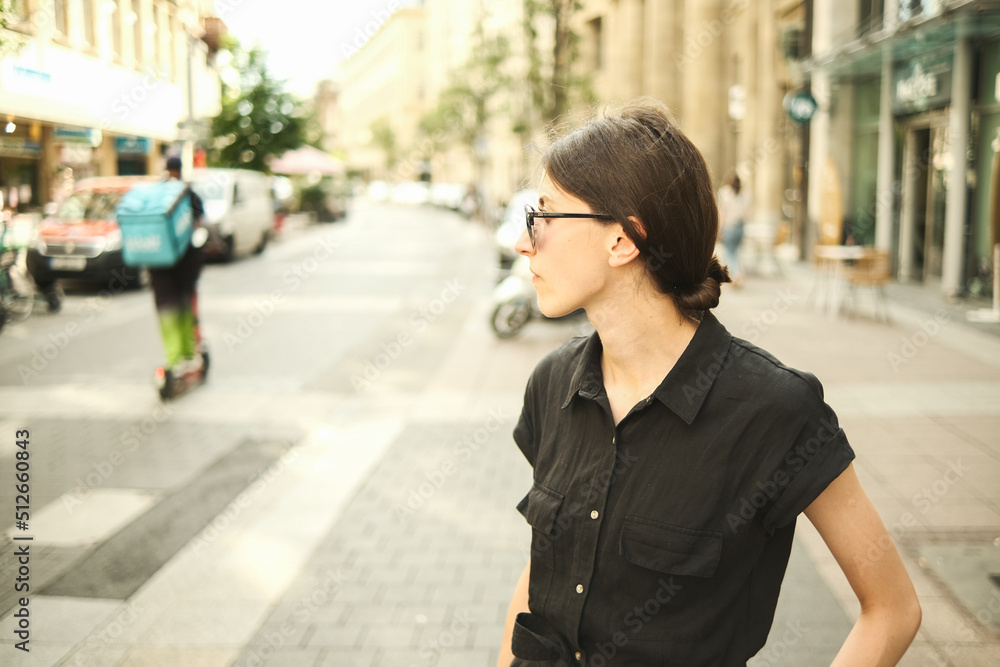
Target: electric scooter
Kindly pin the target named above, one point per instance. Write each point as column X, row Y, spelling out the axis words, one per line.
column 175, row 382
column 187, row 375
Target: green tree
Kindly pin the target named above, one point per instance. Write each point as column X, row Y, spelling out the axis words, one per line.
column 554, row 84
column 384, row 137
column 436, row 130
column 258, row 119
column 465, row 108
column 10, row 11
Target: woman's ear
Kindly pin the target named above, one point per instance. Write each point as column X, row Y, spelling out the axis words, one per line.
column 640, row 228
column 623, row 250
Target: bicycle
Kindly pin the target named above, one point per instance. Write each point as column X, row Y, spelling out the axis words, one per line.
column 17, row 289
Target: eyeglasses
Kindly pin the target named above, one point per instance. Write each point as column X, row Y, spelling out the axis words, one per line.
column 530, row 213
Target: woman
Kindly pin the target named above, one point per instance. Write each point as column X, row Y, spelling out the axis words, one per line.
column 670, row 459
column 734, row 207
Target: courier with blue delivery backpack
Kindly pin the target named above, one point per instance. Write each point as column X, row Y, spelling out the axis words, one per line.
column 161, row 230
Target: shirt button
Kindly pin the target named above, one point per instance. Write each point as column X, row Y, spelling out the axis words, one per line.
column 593, row 514
column 579, row 588
column 578, row 656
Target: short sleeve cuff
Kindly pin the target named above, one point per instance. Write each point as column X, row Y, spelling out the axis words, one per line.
column 825, row 466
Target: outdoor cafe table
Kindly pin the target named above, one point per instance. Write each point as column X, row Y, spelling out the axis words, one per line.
column 831, row 275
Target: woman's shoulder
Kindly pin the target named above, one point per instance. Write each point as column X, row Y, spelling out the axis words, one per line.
column 759, row 371
column 556, row 369
column 566, row 356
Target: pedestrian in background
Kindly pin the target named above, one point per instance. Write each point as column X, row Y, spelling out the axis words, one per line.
column 671, row 460
column 734, row 210
column 175, row 293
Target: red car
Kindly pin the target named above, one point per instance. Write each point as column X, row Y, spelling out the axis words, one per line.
column 82, row 240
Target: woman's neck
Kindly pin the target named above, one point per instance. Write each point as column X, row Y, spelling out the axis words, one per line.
column 643, row 335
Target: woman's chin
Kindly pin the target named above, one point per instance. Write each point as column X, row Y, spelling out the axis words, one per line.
column 552, row 309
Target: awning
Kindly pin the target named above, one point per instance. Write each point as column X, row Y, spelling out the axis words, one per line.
column 308, row 160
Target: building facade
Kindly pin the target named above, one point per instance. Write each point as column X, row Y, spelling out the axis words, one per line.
column 398, row 76
column 100, row 88
column 909, row 117
column 326, row 103
column 383, row 88
column 719, row 66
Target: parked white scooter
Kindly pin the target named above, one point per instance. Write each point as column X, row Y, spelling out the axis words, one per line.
column 514, row 299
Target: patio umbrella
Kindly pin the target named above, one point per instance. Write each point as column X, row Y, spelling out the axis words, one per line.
column 307, row 160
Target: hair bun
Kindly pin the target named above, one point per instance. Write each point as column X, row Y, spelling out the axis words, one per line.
column 705, row 295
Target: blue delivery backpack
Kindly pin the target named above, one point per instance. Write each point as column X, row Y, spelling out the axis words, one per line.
column 156, row 220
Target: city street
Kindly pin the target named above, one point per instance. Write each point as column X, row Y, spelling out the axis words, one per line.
column 341, row 492
column 306, row 350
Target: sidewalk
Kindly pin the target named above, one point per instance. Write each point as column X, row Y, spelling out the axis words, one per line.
column 425, row 556
column 415, row 565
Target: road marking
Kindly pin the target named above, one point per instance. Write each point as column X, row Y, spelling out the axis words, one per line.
column 356, row 269
column 341, row 303
column 88, row 518
column 290, row 517
column 82, row 400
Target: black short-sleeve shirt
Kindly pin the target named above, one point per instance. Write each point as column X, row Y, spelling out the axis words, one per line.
column 664, row 540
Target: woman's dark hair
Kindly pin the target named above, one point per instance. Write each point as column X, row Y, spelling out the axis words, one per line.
column 733, row 181
column 634, row 161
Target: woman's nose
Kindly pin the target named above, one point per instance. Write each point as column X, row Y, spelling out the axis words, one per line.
column 523, row 245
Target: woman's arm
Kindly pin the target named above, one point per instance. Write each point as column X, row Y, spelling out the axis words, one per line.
column 518, row 603
column 855, row 534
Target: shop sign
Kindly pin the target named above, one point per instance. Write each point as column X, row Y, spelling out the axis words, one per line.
column 67, row 135
column 921, row 85
column 75, row 153
column 33, row 75
column 18, row 78
column 20, row 147
column 800, row 106
column 132, row 145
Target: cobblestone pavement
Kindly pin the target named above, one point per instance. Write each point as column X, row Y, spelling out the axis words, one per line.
column 424, row 558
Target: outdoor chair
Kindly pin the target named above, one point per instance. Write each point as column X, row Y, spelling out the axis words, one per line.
column 872, row 270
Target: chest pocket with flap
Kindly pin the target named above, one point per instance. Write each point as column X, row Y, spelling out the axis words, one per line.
column 540, row 508
column 672, row 549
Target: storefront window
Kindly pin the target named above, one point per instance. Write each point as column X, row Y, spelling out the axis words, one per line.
column 864, row 171
column 941, row 162
column 18, row 182
column 980, row 268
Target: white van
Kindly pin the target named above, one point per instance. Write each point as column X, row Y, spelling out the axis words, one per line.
column 239, row 210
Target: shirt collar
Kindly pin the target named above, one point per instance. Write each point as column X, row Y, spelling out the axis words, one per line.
column 687, row 384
